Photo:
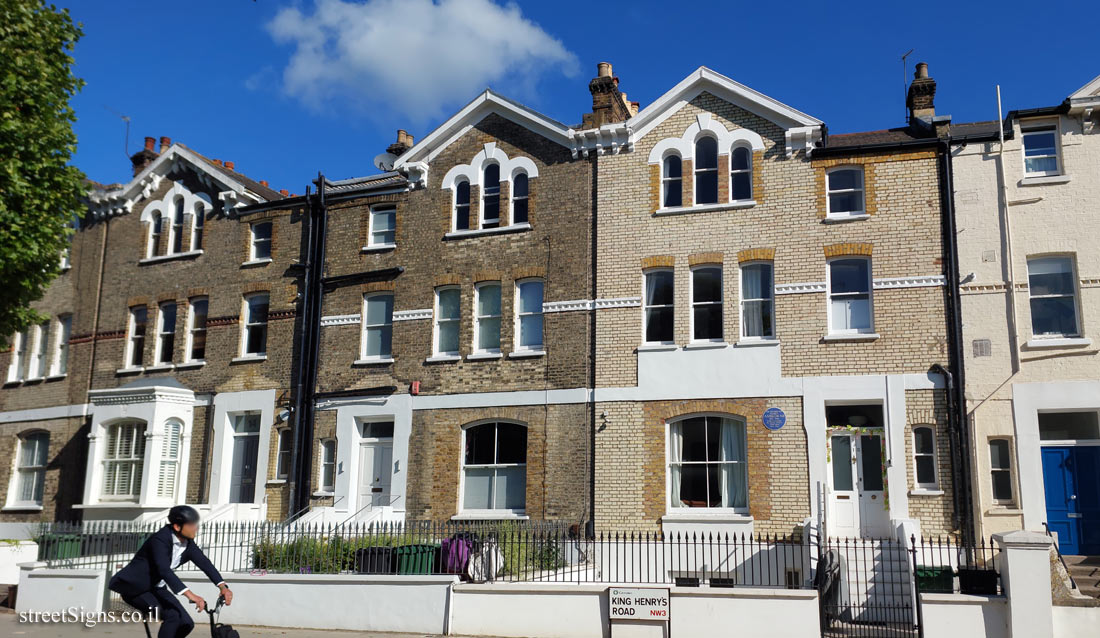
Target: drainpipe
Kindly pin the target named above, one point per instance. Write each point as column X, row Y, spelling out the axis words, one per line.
column 590, row 532
column 1006, row 220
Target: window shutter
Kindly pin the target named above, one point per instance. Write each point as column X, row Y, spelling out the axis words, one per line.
column 170, row 452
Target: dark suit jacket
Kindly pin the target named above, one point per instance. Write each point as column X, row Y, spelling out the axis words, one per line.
column 153, row 563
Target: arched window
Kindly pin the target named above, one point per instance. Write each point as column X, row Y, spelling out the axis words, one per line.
column 672, row 182
column 177, row 227
column 155, row 231
column 31, row 468
column 462, row 205
column 519, row 198
column 494, row 467
column 169, row 459
column 708, row 463
column 196, row 227
column 741, row 174
column 706, row 171
column 123, row 460
column 490, row 197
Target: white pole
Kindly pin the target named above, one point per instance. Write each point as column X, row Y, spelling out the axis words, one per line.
column 1010, row 272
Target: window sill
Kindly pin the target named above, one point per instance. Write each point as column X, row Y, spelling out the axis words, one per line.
column 442, row 358
column 187, row 365
column 252, row 358
column 757, row 343
column 526, row 354
column 923, row 491
column 11, row 383
column 276, row 482
column 1058, row 342
column 133, row 370
column 372, row 362
column 477, row 232
column 863, row 336
column 841, row 219
column 491, row 515
column 161, row 367
column 706, row 345
column 704, row 208
column 1044, row 180
column 34, row 379
column 57, row 377
column 256, row 262
column 1006, row 510
column 159, row 258
column 21, row 508
column 323, row 494
column 657, row 347
column 707, row 515
column 380, row 248
column 483, row 356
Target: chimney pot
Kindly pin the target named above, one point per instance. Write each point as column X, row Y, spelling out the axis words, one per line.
column 263, row 182
column 284, row 192
column 922, row 70
column 217, row 162
column 603, row 70
column 150, row 144
column 229, row 165
column 165, row 142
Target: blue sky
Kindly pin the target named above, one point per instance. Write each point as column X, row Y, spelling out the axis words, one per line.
column 286, row 89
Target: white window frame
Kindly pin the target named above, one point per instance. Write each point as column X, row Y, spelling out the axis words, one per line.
column 516, row 328
column 163, row 332
column 363, row 356
column 34, row 472
column 482, row 194
column 739, row 171
column 833, row 330
column 155, row 221
column 254, row 241
column 696, row 171
column 247, row 324
column 131, row 337
column 17, row 366
column 282, row 453
column 513, row 198
column 934, row 455
column 375, row 211
column 167, row 485
column 491, row 512
column 1009, row 502
column 646, row 306
column 38, row 365
column 135, row 461
column 324, row 445
column 1076, row 294
column 189, row 353
column 479, row 348
column 437, row 322
column 1039, row 127
column 59, row 362
column 665, row 179
column 669, row 462
column 721, row 303
column 741, row 303
column 469, row 205
column 862, row 190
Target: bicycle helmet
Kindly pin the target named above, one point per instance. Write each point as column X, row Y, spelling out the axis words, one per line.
column 182, row 514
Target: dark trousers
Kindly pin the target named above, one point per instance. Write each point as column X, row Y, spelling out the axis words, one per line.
column 175, row 621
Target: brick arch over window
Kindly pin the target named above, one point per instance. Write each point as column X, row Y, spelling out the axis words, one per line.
column 194, row 205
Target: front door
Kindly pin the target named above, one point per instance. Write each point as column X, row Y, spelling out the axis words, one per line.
column 1071, row 484
column 857, row 487
column 246, row 446
column 375, row 474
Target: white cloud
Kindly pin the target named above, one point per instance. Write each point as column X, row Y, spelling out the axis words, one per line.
column 418, row 57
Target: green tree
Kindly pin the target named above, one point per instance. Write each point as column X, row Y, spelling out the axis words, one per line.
column 40, row 193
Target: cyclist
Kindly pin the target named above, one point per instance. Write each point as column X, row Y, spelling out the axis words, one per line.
column 149, row 582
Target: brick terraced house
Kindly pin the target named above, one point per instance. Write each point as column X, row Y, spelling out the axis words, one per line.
column 159, row 375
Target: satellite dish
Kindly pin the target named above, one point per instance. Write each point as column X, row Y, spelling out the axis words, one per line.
column 384, row 161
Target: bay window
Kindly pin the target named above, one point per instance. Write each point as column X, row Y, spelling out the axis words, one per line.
column 169, row 459
column 123, row 460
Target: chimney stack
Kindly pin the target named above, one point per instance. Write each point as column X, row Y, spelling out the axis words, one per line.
column 165, row 142
column 145, row 156
column 404, row 142
column 921, row 97
column 608, row 103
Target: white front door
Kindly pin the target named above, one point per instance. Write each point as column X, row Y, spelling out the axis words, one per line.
column 375, row 473
column 857, row 496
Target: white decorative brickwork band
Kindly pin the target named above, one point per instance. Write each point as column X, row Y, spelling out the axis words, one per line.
column 909, row 282
column 568, row 306
column 412, row 315
column 794, row 289
column 618, row 302
column 340, row 320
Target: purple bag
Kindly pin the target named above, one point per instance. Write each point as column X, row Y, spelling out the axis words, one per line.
column 456, row 553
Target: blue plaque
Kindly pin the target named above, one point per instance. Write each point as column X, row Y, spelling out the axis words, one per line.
column 774, row 418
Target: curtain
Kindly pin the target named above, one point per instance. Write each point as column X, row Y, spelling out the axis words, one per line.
column 675, row 445
column 733, row 482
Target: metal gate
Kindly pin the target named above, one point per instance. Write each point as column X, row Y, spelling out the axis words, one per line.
column 866, row 589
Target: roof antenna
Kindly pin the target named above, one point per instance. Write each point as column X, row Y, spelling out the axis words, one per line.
column 905, row 83
column 126, row 141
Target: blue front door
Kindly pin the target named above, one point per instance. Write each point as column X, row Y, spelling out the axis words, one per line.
column 1071, row 483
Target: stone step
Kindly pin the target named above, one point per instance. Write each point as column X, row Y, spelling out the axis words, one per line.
column 1085, row 571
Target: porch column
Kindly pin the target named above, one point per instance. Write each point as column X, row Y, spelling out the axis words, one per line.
column 1025, row 574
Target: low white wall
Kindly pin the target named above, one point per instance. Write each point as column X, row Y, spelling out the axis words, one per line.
column 12, row 554
column 412, row 604
column 580, row 611
column 1076, row 622
column 43, row 589
column 963, row 615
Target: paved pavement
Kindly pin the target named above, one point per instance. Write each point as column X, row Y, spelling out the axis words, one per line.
column 10, row 625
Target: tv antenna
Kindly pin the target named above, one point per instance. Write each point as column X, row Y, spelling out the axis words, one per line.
column 905, row 82
column 126, row 141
